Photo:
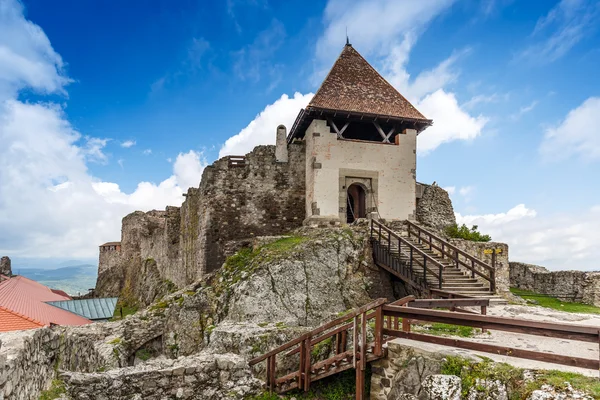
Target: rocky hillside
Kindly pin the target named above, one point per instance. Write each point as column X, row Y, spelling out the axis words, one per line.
column 265, row 294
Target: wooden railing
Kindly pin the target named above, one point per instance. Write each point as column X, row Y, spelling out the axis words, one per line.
column 394, row 320
column 388, row 246
column 546, row 329
column 350, row 350
column 448, row 250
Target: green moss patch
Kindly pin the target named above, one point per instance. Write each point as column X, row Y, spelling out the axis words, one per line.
column 439, row 329
column 337, row 387
column 554, row 303
column 518, row 389
column 57, row 388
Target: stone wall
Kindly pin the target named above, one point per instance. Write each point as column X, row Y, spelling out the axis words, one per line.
column 576, row 286
column 29, row 360
column 163, row 250
column 5, row 268
column 434, row 208
column 203, row 376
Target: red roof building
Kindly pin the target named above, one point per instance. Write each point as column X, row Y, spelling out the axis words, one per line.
column 22, row 306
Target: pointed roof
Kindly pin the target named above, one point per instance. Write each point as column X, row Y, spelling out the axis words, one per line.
column 354, row 85
column 354, row 88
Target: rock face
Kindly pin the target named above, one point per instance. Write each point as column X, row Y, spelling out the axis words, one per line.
column 442, row 387
column 434, row 208
column 576, row 286
column 5, row 268
column 235, row 202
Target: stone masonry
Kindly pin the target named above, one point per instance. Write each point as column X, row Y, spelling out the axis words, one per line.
column 576, row 286
column 434, row 208
column 5, row 268
column 161, row 250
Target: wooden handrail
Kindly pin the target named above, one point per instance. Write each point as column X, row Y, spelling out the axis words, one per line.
column 410, row 245
column 550, row 329
column 322, row 328
column 474, row 260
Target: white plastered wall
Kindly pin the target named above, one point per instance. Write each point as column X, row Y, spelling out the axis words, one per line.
column 331, row 161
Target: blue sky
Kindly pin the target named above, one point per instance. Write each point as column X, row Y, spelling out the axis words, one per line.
column 111, row 107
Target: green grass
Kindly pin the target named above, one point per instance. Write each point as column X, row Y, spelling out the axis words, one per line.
column 143, row 354
column 337, row 387
column 127, row 310
column 440, row 329
column 581, row 382
column 286, row 244
column 554, row 303
column 56, row 389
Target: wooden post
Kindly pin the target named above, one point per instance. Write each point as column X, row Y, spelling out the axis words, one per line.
column 378, row 350
column 301, row 367
column 269, row 383
column 344, row 339
column 355, row 339
column 483, row 312
column 307, row 362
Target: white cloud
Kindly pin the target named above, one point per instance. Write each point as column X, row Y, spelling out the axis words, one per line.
column 524, row 110
column 50, row 205
column 557, row 242
column 128, row 143
column 576, row 135
column 27, row 58
column 485, row 99
column 147, row 152
column 450, row 121
column 188, row 169
column 388, row 42
column 263, row 127
column 450, row 189
column 93, row 149
column 563, row 27
column 374, row 27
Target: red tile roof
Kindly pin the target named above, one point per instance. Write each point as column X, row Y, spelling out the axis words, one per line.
column 24, row 297
column 354, row 85
column 12, row 321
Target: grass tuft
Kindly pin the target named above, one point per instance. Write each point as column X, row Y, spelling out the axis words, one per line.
column 57, row 388
column 554, row 303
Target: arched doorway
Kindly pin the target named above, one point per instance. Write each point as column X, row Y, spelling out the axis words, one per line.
column 356, row 203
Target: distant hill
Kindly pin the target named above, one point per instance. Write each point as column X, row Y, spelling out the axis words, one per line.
column 73, row 279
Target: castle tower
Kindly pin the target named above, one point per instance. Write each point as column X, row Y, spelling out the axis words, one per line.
column 361, row 136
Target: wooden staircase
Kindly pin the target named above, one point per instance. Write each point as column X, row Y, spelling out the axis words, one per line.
column 432, row 265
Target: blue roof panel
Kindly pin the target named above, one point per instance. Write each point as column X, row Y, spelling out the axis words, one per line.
column 93, row 309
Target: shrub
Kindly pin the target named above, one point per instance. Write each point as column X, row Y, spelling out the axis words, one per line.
column 462, row 232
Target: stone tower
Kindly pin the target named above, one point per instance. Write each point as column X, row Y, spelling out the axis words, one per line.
column 360, row 135
column 5, row 268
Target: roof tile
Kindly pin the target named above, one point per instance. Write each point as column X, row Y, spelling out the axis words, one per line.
column 354, row 85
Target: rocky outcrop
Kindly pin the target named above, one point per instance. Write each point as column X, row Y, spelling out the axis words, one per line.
column 575, row 286
column 434, row 208
column 5, row 268
column 423, row 371
column 270, row 291
column 235, row 202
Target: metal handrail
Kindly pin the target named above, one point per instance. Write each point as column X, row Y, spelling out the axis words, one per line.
column 445, row 244
column 426, row 257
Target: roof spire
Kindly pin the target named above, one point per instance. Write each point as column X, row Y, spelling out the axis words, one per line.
column 347, row 39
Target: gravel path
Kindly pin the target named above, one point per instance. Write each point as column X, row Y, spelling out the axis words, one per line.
column 540, row 343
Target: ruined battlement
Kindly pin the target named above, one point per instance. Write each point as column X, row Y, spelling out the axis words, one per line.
column 238, row 198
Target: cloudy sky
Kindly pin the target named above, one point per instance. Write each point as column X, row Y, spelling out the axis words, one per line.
column 110, row 107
